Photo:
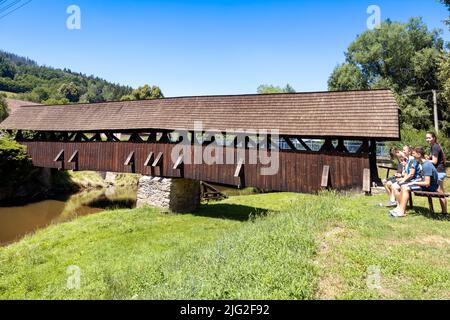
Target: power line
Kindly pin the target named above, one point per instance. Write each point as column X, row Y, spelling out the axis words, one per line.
column 6, row 7
column 7, row 14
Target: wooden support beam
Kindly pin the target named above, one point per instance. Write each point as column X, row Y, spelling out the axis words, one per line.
column 239, row 168
column 266, row 143
column 60, row 158
column 64, row 136
column 430, row 204
column 79, row 137
column 366, row 181
column 52, row 136
column 212, row 140
column 151, row 137
column 111, row 137
column 71, row 136
column 375, row 178
column 289, row 143
column 96, row 137
column 164, row 138
column 274, row 144
column 327, row 146
column 130, row 162
column 250, row 143
column 19, row 135
column 307, row 148
column 325, row 177
column 135, row 137
column 179, row 163
column 234, row 143
column 341, row 146
column 240, row 173
column 130, row 159
column 364, row 148
column 74, row 159
column 149, row 159
column 158, row 160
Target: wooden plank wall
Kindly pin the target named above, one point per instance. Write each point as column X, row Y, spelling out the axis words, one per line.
column 298, row 171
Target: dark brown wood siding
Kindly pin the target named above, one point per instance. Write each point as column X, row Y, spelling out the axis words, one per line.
column 298, row 171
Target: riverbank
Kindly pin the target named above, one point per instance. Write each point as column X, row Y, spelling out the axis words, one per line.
column 267, row 246
column 19, row 220
column 49, row 184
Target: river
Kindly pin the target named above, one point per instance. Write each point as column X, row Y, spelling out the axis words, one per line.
column 18, row 221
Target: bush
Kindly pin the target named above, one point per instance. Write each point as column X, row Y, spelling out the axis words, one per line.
column 9, row 85
column 15, row 165
column 3, row 109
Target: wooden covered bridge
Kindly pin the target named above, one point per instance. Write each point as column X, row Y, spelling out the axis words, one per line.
column 139, row 136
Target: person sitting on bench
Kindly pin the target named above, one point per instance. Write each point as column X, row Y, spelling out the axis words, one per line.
column 437, row 157
column 429, row 182
column 395, row 153
column 412, row 173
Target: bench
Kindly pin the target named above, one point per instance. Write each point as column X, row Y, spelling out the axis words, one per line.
column 388, row 169
column 430, row 196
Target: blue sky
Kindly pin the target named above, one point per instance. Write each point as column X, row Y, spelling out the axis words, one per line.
column 202, row 47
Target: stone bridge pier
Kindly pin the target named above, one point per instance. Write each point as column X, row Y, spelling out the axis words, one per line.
column 169, row 194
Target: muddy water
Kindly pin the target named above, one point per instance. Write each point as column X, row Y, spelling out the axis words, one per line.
column 16, row 222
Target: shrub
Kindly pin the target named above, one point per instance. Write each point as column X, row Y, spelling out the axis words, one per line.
column 15, row 165
column 3, row 109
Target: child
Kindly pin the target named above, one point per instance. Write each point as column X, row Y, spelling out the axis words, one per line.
column 429, row 183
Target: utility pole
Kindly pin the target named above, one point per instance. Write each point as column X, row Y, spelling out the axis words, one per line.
column 435, row 106
column 435, row 110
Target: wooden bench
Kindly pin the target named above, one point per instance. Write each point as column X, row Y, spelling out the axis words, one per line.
column 430, row 196
column 388, row 169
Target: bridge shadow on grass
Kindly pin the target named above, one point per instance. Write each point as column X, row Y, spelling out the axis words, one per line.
column 230, row 211
column 422, row 211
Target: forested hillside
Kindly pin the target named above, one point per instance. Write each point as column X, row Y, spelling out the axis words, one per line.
column 27, row 80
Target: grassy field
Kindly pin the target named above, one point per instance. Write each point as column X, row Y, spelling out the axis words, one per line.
column 8, row 94
column 266, row 246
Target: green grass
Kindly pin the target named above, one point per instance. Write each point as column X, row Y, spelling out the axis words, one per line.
column 8, row 94
column 265, row 246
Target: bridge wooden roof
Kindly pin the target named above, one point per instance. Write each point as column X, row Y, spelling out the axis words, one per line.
column 358, row 114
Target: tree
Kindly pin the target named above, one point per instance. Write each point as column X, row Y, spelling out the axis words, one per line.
column 7, row 69
column 70, row 91
column 144, row 93
column 404, row 57
column 347, row 77
column 267, row 89
column 3, row 109
column 444, row 70
column 447, row 3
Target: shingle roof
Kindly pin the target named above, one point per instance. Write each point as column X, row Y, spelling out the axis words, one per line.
column 14, row 104
column 364, row 114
